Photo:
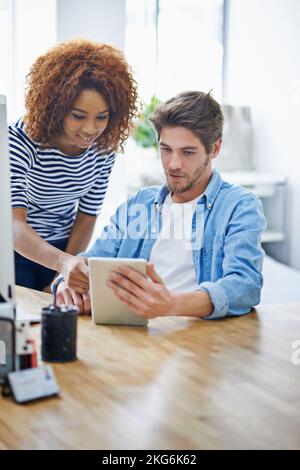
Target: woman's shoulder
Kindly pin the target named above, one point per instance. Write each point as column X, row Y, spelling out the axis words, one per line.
column 18, row 126
column 17, row 131
column 21, row 146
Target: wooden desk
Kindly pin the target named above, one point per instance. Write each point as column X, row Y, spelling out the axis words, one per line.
column 181, row 383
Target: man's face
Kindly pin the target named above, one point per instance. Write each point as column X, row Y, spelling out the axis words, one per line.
column 186, row 164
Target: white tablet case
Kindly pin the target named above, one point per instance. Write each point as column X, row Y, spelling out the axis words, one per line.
column 107, row 309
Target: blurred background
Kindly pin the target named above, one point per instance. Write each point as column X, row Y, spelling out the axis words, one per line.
column 245, row 51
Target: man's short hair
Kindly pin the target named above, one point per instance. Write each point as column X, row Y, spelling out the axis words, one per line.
column 197, row 111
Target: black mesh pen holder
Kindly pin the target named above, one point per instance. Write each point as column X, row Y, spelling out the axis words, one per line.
column 59, row 333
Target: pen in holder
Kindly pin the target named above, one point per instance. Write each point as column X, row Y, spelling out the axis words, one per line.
column 59, row 333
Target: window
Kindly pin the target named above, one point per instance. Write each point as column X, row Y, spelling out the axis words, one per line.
column 175, row 45
column 140, row 44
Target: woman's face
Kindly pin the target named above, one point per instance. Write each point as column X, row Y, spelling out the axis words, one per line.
column 86, row 120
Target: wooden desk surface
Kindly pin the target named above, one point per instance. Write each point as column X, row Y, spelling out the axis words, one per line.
column 181, row 383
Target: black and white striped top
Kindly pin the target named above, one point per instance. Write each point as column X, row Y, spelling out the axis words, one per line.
column 53, row 186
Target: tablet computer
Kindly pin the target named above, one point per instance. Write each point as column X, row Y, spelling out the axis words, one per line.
column 107, row 309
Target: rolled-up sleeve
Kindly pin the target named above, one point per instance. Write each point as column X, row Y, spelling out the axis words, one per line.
column 239, row 288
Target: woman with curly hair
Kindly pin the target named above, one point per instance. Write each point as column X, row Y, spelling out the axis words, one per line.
column 80, row 105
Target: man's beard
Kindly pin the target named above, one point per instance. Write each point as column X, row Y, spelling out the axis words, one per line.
column 191, row 181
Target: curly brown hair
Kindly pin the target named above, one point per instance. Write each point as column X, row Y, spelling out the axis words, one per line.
column 57, row 78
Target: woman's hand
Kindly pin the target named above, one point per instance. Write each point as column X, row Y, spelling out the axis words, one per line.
column 67, row 296
column 76, row 273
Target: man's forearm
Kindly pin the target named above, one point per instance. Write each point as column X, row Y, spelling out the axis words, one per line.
column 193, row 304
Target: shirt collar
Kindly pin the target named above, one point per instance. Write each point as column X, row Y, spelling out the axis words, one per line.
column 209, row 194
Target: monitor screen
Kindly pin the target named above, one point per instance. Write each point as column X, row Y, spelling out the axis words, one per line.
column 7, row 275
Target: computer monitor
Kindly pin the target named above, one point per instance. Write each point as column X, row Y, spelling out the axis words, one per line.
column 7, row 274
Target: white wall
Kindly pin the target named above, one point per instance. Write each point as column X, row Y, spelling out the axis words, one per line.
column 34, row 31
column 99, row 20
column 264, row 72
column 38, row 25
column 5, row 52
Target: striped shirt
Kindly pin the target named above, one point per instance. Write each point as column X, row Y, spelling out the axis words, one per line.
column 53, row 186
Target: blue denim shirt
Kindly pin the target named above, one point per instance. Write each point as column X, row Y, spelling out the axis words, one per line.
column 226, row 235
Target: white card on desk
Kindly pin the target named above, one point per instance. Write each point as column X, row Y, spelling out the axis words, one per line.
column 25, row 316
column 32, row 384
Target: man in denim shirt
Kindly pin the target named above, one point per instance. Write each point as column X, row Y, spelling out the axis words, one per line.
column 200, row 235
